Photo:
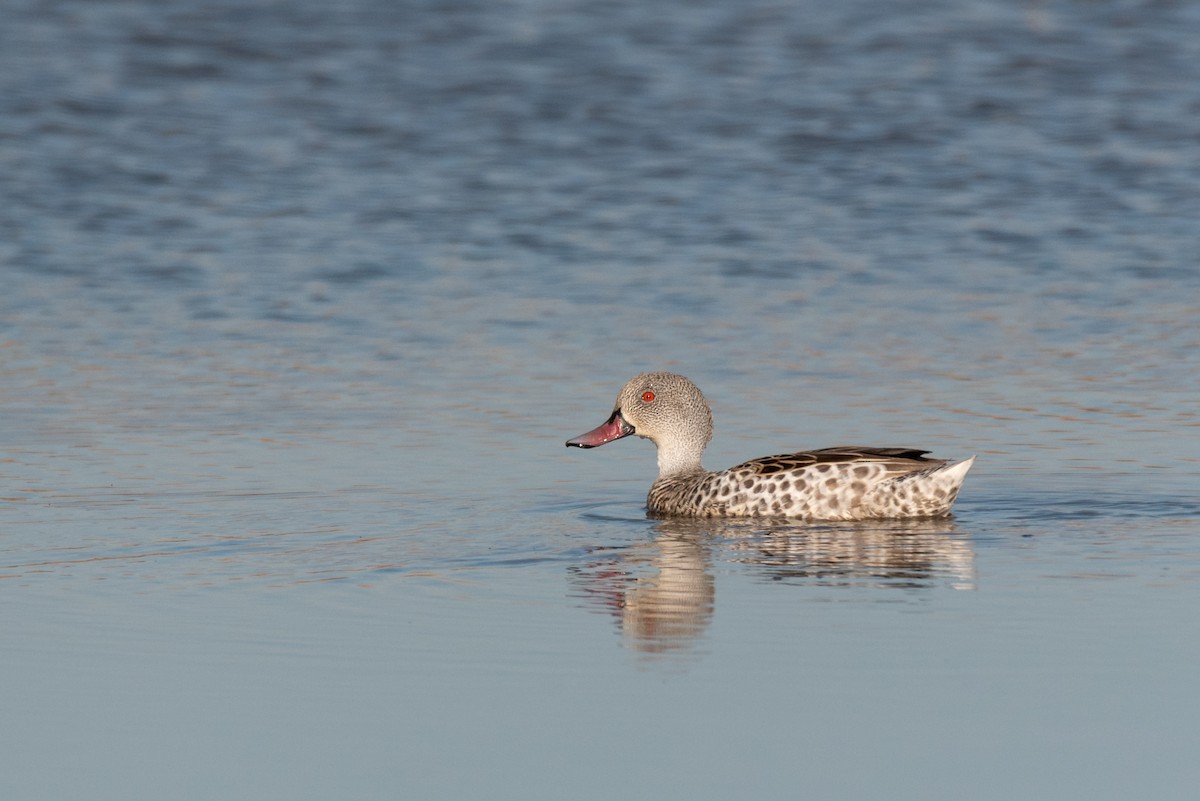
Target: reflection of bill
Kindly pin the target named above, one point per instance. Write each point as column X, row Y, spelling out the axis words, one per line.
column 663, row 592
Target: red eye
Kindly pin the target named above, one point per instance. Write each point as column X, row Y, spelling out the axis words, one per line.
column 647, row 396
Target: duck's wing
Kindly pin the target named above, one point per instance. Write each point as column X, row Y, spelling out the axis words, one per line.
column 896, row 461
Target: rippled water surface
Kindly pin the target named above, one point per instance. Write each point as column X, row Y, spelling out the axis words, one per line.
column 302, row 299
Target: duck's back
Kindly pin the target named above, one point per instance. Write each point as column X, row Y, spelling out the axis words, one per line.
column 843, row 483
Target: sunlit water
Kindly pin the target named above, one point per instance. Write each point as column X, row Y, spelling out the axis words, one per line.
column 301, row 301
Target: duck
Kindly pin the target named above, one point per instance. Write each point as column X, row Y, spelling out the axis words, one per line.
column 834, row 484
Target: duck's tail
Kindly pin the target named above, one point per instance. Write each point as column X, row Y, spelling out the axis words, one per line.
column 929, row 492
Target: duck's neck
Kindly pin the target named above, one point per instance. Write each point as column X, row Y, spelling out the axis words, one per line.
column 679, row 459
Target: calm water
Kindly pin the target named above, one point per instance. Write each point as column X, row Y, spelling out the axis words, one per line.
column 301, row 300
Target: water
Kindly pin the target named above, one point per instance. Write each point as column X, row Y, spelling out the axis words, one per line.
column 301, row 301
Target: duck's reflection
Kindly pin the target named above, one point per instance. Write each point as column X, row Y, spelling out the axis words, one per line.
column 663, row 592
column 883, row 554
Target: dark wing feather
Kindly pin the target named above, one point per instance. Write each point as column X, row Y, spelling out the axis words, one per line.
column 855, row 453
column 897, row 460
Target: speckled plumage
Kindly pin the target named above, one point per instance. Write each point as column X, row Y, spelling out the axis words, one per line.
column 843, row 483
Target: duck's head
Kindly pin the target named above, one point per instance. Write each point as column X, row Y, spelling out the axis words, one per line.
column 665, row 408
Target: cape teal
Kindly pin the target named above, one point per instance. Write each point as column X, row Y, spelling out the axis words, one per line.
column 842, row 483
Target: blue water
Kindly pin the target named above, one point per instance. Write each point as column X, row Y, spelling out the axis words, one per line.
column 302, row 299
